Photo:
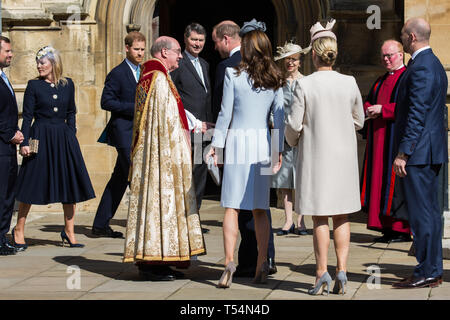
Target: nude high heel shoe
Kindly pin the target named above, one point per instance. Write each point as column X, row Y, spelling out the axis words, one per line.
column 227, row 276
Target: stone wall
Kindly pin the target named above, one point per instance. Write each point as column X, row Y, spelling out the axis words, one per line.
column 33, row 24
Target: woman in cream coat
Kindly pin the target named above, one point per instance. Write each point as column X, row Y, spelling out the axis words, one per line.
column 326, row 112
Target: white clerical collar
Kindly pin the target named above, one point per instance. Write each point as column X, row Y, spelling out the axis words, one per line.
column 419, row 51
column 190, row 56
column 392, row 72
column 235, row 50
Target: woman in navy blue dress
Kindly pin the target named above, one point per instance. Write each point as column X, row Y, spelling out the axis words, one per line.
column 55, row 172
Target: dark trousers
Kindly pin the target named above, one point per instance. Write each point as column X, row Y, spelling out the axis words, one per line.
column 420, row 189
column 248, row 248
column 114, row 190
column 8, row 176
column 199, row 168
column 199, row 173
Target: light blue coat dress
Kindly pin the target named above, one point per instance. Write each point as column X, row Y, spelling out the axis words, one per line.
column 285, row 178
column 242, row 129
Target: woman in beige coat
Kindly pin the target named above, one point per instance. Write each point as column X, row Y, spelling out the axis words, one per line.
column 327, row 109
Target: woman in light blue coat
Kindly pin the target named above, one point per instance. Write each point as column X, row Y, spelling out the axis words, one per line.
column 250, row 93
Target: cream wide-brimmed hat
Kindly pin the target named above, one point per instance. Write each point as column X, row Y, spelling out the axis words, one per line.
column 289, row 49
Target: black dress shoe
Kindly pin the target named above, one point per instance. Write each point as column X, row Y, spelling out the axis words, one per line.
column 412, row 283
column 383, row 239
column 435, row 279
column 301, row 232
column 401, row 238
column 286, row 232
column 176, row 274
column 157, row 273
column 247, row 272
column 106, row 232
column 272, row 266
column 205, row 230
column 6, row 251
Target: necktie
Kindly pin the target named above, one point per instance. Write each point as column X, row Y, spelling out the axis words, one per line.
column 138, row 72
column 199, row 71
column 7, row 82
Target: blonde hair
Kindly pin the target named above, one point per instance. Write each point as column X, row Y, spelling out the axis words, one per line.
column 326, row 50
column 55, row 59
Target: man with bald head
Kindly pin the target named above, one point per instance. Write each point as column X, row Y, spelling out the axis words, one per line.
column 421, row 149
column 163, row 227
column 377, row 183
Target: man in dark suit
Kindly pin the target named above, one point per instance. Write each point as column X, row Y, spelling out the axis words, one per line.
column 10, row 136
column 118, row 97
column 228, row 43
column 193, row 84
column 421, row 149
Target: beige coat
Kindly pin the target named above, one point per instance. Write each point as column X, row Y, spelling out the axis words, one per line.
column 326, row 110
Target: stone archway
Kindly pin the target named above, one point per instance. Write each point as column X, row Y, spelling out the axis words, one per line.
column 293, row 19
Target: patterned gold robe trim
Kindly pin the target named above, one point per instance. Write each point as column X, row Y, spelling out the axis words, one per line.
column 163, row 221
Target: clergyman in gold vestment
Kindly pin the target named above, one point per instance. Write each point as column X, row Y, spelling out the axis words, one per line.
column 163, row 227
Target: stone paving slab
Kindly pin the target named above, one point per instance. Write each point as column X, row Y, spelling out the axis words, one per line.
column 43, row 270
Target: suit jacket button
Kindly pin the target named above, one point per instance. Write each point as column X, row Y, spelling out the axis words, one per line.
column 55, row 96
column 55, row 109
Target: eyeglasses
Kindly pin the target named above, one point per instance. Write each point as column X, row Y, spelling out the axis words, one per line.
column 177, row 51
column 389, row 55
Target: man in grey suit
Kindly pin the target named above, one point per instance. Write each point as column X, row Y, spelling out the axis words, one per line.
column 193, row 84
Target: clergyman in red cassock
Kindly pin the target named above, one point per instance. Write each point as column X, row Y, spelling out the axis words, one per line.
column 378, row 179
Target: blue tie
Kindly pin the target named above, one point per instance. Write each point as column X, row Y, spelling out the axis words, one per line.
column 7, row 82
column 198, row 67
column 138, row 72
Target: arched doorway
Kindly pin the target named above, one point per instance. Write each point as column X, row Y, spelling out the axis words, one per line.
column 285, row 19
column 175, row 15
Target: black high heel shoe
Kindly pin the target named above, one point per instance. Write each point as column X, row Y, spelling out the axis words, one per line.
column 64, row 237
column 20, row 247
column 286, row 232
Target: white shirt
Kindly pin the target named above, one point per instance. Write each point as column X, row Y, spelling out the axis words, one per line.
column 200, row 71
column 133, row 68
column 193, row 123
column 191, row 57
column 419, row 51
column 235, row 50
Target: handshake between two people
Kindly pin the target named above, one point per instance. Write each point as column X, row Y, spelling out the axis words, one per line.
column 206, row 126
column 212, row 153
column 18, row 139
